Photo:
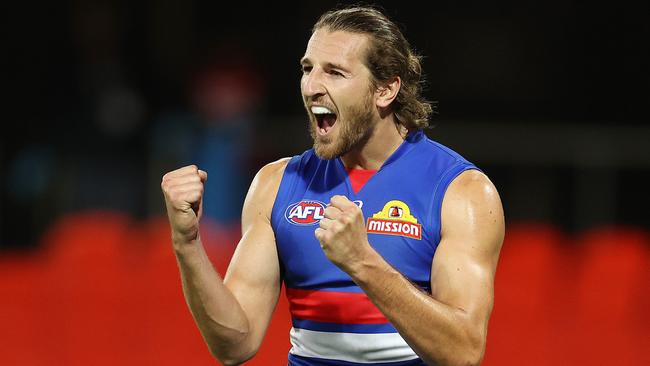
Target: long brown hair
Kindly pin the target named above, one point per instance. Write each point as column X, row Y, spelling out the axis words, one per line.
column 389, row 55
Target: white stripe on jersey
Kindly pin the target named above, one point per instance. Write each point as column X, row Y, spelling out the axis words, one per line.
column 351, row 347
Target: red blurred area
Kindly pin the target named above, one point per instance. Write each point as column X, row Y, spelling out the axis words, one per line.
column 105, row 290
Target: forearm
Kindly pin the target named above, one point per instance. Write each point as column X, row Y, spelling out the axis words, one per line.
column 438, row 333
column 217, row 313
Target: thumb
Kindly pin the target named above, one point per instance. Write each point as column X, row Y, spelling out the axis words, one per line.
column 342, row 202
column 203, row 175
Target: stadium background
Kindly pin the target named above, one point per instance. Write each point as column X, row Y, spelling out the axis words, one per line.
column 548, row 97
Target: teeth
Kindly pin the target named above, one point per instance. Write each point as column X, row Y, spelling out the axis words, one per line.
column 321, row 110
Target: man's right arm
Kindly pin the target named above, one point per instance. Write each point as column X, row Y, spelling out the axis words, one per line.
column 232, row 314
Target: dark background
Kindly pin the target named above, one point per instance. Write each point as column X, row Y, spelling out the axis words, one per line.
column 549, row 98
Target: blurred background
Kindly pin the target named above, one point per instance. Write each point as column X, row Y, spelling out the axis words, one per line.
column 549, row 98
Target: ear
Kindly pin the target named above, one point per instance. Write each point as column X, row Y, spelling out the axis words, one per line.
column 387, row 93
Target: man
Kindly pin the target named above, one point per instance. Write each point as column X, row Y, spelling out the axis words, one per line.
column 352, row 225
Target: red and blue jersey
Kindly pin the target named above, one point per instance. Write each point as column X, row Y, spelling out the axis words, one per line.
column 334, row 322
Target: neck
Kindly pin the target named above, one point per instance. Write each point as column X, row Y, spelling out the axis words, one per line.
column 384, row 139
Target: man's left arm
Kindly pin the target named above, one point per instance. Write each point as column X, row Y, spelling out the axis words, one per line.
column 448, row 327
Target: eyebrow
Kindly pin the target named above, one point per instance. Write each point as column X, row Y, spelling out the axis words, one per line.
column 330, row 65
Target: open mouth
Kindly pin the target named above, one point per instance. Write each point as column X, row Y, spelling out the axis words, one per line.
column 325, row 118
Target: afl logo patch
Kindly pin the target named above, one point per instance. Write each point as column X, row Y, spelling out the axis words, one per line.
column 305, row 212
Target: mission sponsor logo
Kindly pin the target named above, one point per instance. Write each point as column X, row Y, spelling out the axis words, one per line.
column 305, row 212
column 395, row 219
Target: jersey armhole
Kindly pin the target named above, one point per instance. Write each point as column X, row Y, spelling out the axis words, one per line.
column 287, row 184
column 435, row 211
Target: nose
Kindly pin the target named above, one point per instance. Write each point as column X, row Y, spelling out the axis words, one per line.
column 312, row 84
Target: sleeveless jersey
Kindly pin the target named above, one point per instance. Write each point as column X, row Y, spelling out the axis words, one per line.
column 334, row 322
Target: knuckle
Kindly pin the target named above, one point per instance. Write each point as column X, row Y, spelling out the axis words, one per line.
column 168, row 190
column 339, row 224
column 189, row 197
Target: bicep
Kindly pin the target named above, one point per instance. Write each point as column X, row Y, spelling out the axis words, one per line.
column 253, row 275
column 463, row 268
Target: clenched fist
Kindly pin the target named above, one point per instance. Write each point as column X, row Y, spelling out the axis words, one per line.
column 183, row 190
column 342, row 233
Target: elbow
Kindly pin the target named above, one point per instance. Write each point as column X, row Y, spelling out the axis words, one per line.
column 235, row 352
column 226, row 362
column 473, row 339
column 467, row 358
column 472, row 359
column 233, row 360
column 461, row 356
column 473, row 352
column 469, row 352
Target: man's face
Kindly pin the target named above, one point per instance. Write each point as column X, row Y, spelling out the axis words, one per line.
column 337, row 92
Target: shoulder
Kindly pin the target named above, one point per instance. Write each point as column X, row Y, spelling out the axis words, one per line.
column 274, row 169
column 268, row 178
column 472, row 205
column 472, row 188
column 262, row 192
column 473, row 181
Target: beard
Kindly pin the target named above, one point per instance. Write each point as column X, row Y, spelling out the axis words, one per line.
column 355, row 125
